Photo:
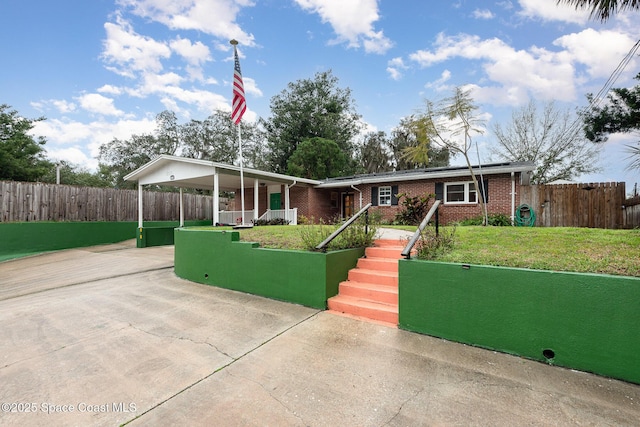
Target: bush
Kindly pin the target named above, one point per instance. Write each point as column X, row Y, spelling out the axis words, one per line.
column 353, row 236
column 431, row 246
column 273, row 221
column 497, row 220
column 414, row 209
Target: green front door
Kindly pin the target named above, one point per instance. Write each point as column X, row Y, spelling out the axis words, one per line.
column 275, row 201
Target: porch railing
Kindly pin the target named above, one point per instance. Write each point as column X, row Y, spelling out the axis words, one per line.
column 281, row 214
column 365, row 210
column 234, row 217
column 406, row 252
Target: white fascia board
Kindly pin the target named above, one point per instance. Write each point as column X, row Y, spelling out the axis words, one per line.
column 159, row 162
column 173, row 172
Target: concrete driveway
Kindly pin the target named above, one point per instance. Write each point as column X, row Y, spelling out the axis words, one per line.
column 109, row 336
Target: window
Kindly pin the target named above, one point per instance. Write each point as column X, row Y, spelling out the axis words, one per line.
column 460, row 192
column 384, row 196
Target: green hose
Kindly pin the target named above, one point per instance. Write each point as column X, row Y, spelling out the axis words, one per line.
column 525, row 221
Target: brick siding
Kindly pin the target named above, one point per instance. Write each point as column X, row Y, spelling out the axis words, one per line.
column 316, row 203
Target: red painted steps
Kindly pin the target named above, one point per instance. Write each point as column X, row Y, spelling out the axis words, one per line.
column 371, row 290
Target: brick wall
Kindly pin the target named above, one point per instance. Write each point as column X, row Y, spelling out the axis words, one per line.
column 318, row 202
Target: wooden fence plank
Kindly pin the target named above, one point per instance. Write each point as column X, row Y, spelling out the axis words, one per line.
column 595, row 205
column 23, row 201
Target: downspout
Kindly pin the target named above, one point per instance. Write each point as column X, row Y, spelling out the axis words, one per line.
column 513, row 197
column 360, row 195
column 286, row 199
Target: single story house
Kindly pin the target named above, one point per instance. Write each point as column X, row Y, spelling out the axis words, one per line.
column 270, row 195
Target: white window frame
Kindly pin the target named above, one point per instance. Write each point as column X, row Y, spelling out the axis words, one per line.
column 387, row 195
column 468, row 190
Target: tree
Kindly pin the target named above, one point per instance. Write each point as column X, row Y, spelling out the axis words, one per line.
column 214, row 138
column 317, row 158
column 602, row 9
column 449, row 124
column 310, row 108
column 404, row 137
column 22, row 158
column 374, row 154
column 620, row 114
column 549, row 139
column 71, row 174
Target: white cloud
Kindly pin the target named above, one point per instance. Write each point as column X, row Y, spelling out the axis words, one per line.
column 194, row 53
column 96, row 103
column 550, row 10
column 251, row 87
column 352, row 21
column 73, row 155
column 110, row 89
column 540, row 72
column 65, row 138
column 61, row 105
column 215, row 17
column 439, row 85
column 483, row 14
column 129, row 52
column 395, row 67
column 600, row 51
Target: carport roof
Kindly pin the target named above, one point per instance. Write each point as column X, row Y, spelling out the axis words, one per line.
column 193, row 173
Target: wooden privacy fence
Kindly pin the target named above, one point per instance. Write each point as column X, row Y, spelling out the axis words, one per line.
column 632, row 212
column 599, row 205
column 26, row 201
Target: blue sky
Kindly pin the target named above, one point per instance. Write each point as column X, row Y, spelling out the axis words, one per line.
column 102, row 69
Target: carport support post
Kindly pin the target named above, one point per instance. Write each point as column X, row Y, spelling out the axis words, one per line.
column 181, row 209
column 216, row 198
column 140, row 206
column 256, row 188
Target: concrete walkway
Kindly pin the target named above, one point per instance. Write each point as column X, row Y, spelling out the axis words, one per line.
column 109, row 335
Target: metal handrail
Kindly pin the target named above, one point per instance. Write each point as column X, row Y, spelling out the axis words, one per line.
column 406, row 252
column 323, row 246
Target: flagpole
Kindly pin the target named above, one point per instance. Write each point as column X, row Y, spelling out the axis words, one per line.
column 234, row 43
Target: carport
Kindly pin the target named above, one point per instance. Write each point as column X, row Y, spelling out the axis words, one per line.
column 181, row 172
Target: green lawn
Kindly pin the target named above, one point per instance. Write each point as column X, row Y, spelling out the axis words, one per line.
column 584, row 250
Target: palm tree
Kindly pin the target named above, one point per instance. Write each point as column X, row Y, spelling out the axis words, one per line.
column 602, row 9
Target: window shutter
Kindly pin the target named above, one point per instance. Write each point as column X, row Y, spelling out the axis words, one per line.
column 440, row 191
column 394, row 195
column 374, row 196
column 485, row 190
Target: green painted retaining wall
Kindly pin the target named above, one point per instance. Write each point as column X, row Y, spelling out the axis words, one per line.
column 23, row 238
column 161, row 233
column 587, row 322
column 219, row 258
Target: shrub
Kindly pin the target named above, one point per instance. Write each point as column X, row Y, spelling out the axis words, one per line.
column 273, row 221
column 414, row 209
column 353, row 236
column 431, row 246
column 497, row 220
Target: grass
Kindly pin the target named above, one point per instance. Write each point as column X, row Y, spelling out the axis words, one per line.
column 584, row 250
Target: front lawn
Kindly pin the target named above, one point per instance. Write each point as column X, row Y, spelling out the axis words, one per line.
column 584, row 250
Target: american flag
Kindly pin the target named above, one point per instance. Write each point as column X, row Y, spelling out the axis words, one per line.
column 239, row 102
